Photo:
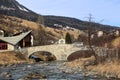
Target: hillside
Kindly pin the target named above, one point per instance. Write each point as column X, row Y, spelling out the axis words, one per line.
column 73, row 22
column 13, row 25
column 13, row 8
column 15, row 18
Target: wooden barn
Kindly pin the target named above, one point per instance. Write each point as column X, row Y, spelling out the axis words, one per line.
column 15, row 42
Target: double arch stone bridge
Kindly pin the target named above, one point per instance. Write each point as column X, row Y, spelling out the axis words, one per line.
column 60, row 51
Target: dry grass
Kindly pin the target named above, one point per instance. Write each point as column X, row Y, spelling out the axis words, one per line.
column 106, row 68
column 57, row 32
column 80, row 62
column 11, row 57
column 101, row 68
column 35, row 26
column 116, row 42
column 30, row 24
column 8, row 23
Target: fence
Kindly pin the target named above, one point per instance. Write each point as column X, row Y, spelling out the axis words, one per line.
column 106, row 54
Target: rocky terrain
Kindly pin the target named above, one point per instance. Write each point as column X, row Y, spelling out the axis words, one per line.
column 53, row 70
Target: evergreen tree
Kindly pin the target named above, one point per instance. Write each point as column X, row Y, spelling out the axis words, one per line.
column 68, row 38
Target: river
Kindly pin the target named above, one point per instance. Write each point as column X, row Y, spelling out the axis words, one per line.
column 47, row 70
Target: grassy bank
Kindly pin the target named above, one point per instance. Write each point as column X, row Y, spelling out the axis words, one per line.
column 82, row 62
column 11, row 57
column 108, row 69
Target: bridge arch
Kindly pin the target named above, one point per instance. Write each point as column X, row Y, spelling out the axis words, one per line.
column 79, row 54
column 43, row 55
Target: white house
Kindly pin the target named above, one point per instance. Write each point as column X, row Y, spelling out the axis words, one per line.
column 100, row 33
column 1, row 33
column 117, row 32
column 60, row 41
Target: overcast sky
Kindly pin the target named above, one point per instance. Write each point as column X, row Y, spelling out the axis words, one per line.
column 103, row 11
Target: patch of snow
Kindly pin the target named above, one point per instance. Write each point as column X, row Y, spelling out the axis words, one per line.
column 23, row 9
column 6, row 8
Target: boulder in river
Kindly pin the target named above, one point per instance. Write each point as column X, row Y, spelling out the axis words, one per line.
column 35, row 75
column 5, row 75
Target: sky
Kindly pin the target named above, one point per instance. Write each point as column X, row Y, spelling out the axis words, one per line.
column 103, row 11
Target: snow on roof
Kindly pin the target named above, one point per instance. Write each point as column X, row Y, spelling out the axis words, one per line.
column 14, row 39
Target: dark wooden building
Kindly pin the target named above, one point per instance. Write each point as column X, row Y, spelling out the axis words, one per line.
column 16, row 42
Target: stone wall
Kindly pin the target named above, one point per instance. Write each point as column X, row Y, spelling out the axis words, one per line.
column 60, row 51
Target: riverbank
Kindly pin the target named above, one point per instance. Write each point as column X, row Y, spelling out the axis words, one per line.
column 83, row 66
column 109, row 70
column 12, row 57
column 55, row 70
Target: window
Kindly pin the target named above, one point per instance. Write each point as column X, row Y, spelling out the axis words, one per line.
column 3, row 46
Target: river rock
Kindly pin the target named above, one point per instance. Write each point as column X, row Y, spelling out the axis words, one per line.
column 21, row 79
column 5, row 75
column 13, row 69
column 9, row 65
column 92, row 74
column 24, row 69
column 119, row 76
column 35, row 76
column 29, row 66
column 69, row 71
column 111, row 76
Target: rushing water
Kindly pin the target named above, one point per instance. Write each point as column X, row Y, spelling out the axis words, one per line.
column 52, row 71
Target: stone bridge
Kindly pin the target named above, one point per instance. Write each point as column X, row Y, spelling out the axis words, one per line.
column 60, row 51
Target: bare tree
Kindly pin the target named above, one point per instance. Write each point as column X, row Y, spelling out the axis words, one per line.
column 89, row 36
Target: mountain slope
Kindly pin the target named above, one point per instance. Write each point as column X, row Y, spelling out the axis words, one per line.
column 13, row 8
column 73, row 22
column 13, row 25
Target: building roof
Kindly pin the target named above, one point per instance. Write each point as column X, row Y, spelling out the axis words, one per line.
column 14, row 39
